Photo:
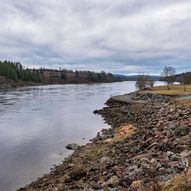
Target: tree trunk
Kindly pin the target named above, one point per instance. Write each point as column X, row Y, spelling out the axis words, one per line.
column 184, row 87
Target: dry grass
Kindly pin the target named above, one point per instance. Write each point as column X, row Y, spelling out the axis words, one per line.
column 124, row 131
column 121, row 133
column 174, row 90
column 179, row 183
column 186, row 102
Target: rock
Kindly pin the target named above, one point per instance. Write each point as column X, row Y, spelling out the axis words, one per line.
column 185, row 154
column 173, row 156
column 133, row 171
column 154, row 145
column 77, row 173
column 181, row 131
column 125, row 181
column 112, row 182
column 183, row 164
column 66, row 178
column 136, row 185
column 73, row 146
column 144, row 160
column 125, row 110
column 105, row 160
column 155, row 163
column 169, row 154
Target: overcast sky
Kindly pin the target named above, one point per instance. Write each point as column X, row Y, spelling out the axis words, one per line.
column 119, row 36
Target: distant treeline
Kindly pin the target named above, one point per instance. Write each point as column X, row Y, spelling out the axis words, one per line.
column 16, row 72
column 184, row 78
column 69, row 76
column 136, row 77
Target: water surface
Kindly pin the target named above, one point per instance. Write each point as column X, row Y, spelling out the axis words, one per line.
column 36, row 123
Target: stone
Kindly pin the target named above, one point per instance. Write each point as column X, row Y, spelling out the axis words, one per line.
column 133, row 171
column 155, row 163
column 154, row 145
column 169, row 154
column 125, row 181
column 185, row 154
column 181, row 131
column 77, row 173
column 73, row 146
column 136, row 185
column 105, row 160
column 183, row 164
column 112, row 182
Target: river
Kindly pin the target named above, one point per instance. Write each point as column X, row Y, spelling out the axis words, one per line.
column 36, row 123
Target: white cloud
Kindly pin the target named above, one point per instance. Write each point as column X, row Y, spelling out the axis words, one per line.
column 91, row 33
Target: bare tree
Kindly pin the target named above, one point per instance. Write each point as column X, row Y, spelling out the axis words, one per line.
column 143, row 82
column 168, row 75
column 140, row 83
column 184, row 79
column 150, row 83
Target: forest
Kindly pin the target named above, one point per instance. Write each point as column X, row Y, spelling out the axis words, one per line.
column 16, row 72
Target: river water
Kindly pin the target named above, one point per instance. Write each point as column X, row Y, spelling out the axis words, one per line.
column 36, row 123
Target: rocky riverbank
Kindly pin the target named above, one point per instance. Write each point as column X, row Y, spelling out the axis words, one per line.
column 6, row 83
column 149, row 142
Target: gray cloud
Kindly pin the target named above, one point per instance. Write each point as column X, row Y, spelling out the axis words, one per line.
column 117, row 36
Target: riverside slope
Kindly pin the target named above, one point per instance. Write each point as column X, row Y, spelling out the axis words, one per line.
column 149, row 142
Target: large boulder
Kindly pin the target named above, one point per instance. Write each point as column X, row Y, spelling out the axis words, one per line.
column 73, row 146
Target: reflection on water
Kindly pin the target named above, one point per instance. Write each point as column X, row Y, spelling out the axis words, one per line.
column 37, row 122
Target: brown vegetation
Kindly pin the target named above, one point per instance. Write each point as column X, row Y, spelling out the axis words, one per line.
column 173, row 90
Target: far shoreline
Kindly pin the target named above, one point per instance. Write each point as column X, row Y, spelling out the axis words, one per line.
column 15, row 85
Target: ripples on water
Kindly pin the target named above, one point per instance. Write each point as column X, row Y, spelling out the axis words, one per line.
column 37, row 122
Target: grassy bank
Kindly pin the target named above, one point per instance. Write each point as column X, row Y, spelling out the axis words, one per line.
column 172, row 90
